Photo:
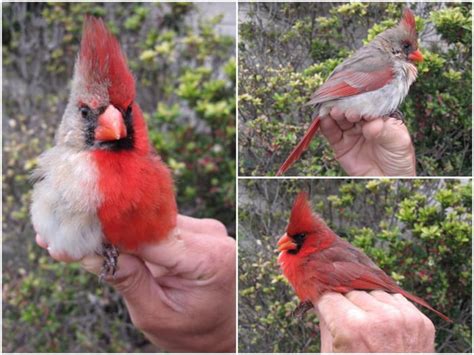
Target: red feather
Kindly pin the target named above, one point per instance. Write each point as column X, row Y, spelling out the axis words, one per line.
column 102, row 60
column 408, row 20
column 301, row 147
column 139, row 206
column 326, row 263
column 341, row 84
column 349, row 82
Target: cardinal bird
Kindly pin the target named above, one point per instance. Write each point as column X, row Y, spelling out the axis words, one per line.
column 371, row 83
column 316, row 260
column 101, row 188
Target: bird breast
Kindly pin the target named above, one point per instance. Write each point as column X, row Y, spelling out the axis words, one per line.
column 381, row 102
column 65, row 202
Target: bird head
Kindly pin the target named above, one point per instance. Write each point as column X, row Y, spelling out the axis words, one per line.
column 101, row 113
column 403, row 40
column 306, row 232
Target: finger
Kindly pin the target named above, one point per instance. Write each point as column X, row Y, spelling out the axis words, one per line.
column 331, row 130
column 334, row 307
column 403, row 302
column 345, row 124
column 368, row 303
column 337, row 114
column 61, row 256
column 135, row 283
column 412, row 321
column 56, row 255
column 326, row 336
column 93, row 264
column 373, row 129
column 202, row 226
column 192, row 255
column 130, row 276
column 41, row 242
column 353, row 116
column 370, row 118
column 165, row 253
column 426, row 328
column 394, row 133
column 399, row 302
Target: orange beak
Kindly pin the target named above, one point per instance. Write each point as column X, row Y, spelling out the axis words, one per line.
column 286, row 243
column 110, row 125
column 416, row 56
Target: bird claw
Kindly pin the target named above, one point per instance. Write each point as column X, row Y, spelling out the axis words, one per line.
column 398, row 115
column 109, row 267
column 301, row 309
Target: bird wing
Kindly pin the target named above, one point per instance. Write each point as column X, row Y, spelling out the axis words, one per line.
column 343, row 267
column 354, row 271
column 361, row 73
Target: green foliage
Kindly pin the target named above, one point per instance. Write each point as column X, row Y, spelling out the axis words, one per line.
column 418, row 231
column 288, row 50
column 185, row 72
column 60, row 309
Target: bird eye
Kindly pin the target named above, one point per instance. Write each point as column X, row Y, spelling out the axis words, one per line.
column 298, row 238
column 406, row 47
column 85, row 111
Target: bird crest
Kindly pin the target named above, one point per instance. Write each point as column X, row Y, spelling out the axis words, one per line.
column 101, row 60
column 408, row 21
column 302, row 219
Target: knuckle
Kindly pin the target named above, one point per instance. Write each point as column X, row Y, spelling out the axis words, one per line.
column 391, row 317
column 345, row 337
column 356, row 321
column 429, row 326
column 226, row 251
column 128, row 284
column 413, row 317
column 217, row 226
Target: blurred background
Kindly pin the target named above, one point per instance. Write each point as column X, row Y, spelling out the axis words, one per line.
column 183, row 59
column 418, row 231
column 287, row 50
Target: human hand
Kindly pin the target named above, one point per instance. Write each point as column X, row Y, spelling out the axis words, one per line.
column 181, row 292
column 372, row 322
column 370, row 146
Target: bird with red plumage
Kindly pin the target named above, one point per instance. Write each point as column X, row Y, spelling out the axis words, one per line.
column 102, row 188
column 316, row 260
column 372, row 83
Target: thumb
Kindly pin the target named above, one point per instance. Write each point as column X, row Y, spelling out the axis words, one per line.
column 326, row 336
column 390, row 133
column 132, row 279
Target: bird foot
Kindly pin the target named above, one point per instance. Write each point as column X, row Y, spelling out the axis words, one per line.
column 302, row 308
column 109, row 267
column 398, row 115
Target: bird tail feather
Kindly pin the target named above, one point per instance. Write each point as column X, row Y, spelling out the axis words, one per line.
column 423, row 303
column 301, row 147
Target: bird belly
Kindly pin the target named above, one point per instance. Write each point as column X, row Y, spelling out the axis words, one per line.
column 300, row 278
column 65, row 201
column 378, row 103
column 138, row 205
